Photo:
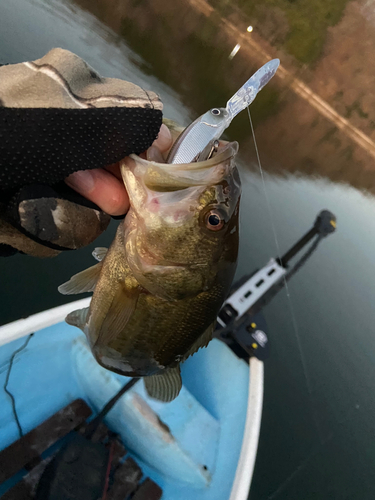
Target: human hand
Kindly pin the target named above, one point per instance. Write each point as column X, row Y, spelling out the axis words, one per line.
column 105, row 187
column 38, row 216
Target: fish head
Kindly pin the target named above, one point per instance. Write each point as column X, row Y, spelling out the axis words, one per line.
column 181, row 232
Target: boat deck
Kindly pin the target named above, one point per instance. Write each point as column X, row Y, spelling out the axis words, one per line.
column 123, row 476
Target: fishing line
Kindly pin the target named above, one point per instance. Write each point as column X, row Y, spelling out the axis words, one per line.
column 293, row 316
column 20, row 431
column 314, row 452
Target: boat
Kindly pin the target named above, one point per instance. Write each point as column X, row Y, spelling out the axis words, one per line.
column 201, row 446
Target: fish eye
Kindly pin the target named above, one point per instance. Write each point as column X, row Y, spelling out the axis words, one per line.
column 215, row 111
column 214, row 220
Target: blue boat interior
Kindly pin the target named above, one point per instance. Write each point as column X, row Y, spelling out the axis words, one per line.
column 190, row 447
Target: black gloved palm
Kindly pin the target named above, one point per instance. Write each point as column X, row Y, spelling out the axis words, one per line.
column 57, row 116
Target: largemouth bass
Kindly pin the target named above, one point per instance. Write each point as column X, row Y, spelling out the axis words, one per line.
column 159, row 287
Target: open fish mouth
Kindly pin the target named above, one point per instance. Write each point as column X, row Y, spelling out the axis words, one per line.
column 146, row 179
column 165, row 177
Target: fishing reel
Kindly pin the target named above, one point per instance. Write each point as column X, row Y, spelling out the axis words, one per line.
column 246, row 339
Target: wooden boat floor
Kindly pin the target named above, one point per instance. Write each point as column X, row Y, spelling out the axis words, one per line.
column 124, row 477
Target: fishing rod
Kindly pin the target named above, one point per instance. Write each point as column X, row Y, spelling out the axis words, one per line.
column 239, row 321
column 254, row 288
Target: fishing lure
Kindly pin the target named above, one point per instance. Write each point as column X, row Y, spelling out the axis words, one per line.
column 198, row 140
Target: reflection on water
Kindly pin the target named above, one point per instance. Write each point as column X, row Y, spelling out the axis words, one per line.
column 317, row 118
column 315, row 124
column 319, row 381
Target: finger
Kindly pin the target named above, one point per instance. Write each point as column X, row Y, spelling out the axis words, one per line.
column 115, row 170
column 154, row 154
column 164, row 139
column 102, row 188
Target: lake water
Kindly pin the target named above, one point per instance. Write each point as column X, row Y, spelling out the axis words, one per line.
column 318, row 434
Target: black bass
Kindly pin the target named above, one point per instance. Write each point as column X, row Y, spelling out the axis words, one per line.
column 159, row 287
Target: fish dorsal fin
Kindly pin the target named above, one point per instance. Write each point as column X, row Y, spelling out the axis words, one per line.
column 122, row 307
column 99, row 253
column 202, row 341
column 84, row 281
column 78, row 317
column 166, row 386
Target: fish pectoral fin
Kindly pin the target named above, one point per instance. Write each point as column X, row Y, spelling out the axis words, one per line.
column 122, row 307
column 99, row 253
column 202, row 341
column 78, row 317
column 84, row 281
column 166, row 386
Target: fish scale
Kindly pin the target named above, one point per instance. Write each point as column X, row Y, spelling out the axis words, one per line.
column 170, row 339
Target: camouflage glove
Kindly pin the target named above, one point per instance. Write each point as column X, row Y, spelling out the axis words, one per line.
column 57, row 116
